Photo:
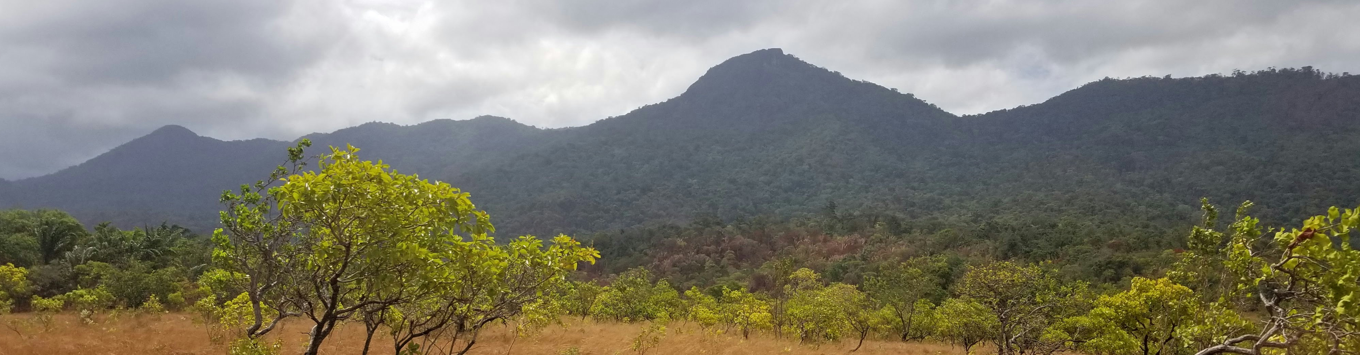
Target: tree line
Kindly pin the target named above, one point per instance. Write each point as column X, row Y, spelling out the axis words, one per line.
column 1243, row 289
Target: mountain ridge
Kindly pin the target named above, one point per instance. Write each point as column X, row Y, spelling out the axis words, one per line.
column 765, row 133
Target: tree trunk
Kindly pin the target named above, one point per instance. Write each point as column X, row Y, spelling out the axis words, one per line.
column 368, row 338
column 906, row 322
column 468, row 347
column 319, row 333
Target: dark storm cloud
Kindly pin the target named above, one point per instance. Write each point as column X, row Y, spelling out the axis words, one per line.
column 78, row 78
column 152, row 41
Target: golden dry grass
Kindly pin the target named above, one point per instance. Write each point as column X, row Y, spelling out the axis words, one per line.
column 179, row 334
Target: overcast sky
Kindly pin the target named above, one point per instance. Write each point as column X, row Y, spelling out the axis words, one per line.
column 80, row 77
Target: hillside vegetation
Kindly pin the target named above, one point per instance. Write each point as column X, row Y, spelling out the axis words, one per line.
column 765, row 134
column 350, row 242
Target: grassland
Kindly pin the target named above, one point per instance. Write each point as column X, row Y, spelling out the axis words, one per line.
column 178, row 333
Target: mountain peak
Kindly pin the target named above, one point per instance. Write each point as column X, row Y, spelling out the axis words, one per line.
column 763, row 54
column 757, row 67
column 166, row 136
column 172, row 131
column 769, row 73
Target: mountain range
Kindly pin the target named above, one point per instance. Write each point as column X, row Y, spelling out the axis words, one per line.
column 765, row 133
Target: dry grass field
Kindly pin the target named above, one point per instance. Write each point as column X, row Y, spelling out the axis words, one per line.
column 179, row 334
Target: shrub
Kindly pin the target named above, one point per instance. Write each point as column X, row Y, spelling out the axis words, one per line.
column 152, row 305
column 92, row 300
column 137, row 283
column 247, row 346
column 47, row 305
column 44, row 308
column 649, row 338
column 175, row 301
column 13, row 286
column 237, row 314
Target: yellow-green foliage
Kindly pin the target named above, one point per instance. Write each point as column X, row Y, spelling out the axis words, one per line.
column 47, row 305
column 1305, row 279
column 152, row 305
column 964, row 322
column 649, row 338
column 237, row 313
column 13, row 286
column 175, row 301
column 86, row 299
column 247, row 346
column 633, row 297
column 812, row 312
column 746, row 311
column 1213, row 324
column 536, row 315
column 902, row 287
column 207, row 308
column 221, row 283
column 703, row 309
column 1151, row 309
column 923, row 319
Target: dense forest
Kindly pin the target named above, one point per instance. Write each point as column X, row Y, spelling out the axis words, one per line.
column 765, row 135
column 351, row 241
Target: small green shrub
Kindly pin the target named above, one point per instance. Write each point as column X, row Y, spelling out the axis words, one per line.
column 87, row 316
column 247, row 346
column 44, row 308
column 47, row 305
column 175, row 301
column 13, row 286
column 649, row 338
column 152, row 305
column 94, row 300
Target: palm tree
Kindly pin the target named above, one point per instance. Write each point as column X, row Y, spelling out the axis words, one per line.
column 153, row 243
column 56, row 233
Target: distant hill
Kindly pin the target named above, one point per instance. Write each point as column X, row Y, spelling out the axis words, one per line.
column 767, row 134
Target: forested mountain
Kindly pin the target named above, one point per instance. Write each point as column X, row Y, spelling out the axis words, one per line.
column 767, row 134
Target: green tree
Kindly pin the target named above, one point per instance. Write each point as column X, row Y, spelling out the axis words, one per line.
column 1152, row 317
column 581, row 296
column 367, row 230
column 16, row 245
column 1304, row 279
column 632, row 296
column 901, row 287
column 258, row 243
column 13, row 286
column 1022, row 298
column 857, row 311
column 343, row 237
column 43, row 235
column 964, row 322
column 481, row 283
column 56, row 233
column 746, row 311
column 703, row 309
column 813, row 315
column 1150, row 312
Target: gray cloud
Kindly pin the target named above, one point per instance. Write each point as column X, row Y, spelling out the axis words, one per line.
column 78, row 78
